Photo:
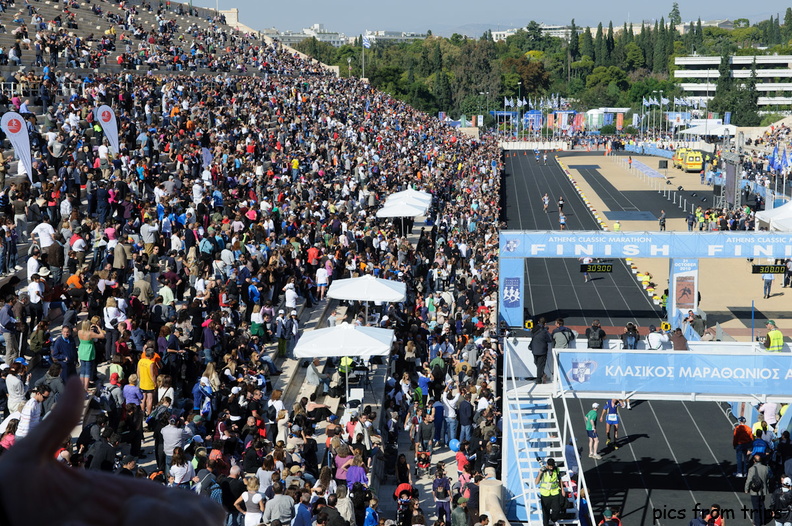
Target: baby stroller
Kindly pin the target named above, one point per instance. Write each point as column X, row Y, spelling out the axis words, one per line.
column 423, row 462
column 403, row 496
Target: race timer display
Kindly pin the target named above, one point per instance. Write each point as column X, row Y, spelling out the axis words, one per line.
column 596, row 267
column 768, row 269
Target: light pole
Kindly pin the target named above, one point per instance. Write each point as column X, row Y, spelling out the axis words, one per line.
column 349, row 65
column 519, row 106
column 486, row 104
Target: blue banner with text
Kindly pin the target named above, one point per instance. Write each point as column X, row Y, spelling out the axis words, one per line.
column 675, row 372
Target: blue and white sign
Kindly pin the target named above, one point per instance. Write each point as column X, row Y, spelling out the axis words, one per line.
column 675, row 372
column 599, row 244
column 512, row 272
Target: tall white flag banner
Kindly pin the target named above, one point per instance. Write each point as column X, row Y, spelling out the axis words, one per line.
column 107, row 120
column 14, row 127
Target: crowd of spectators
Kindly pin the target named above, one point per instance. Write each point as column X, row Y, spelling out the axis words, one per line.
column 167, row 276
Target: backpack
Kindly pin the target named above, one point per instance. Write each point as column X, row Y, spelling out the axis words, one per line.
column 272, row 413
column 106, row 400
column 442, row 492
column 85, row 440
column 756, row 485
column 631, row 340
column 785, row 500
column 594, row 340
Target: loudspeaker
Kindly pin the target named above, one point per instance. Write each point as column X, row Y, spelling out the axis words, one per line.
column 662, row 164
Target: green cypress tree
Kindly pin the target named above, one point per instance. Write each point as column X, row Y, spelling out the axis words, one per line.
column 574, row 42
column 600, row 49
column 587, row 44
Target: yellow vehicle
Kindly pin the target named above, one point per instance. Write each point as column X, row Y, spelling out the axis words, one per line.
column 692, row 161
column 679, row 154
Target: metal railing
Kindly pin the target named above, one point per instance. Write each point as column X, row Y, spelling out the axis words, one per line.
column 566, row 433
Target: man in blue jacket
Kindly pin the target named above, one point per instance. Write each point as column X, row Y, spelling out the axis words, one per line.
column 64, row 352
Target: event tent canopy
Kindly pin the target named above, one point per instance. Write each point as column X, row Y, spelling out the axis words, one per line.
column 344, row 340
column 402, row 209
column 367, row 288
column 776, row 218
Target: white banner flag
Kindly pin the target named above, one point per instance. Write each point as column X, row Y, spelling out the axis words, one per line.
column 14, row 127
column 107, row 120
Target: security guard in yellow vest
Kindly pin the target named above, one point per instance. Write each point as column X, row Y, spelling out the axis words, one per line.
column 551, row 493
column 345, row 367
column 774, row 341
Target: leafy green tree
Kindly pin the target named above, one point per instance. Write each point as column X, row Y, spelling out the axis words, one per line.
column 587, row 44
column 600, row 48
column 634, row 57
column 674, row 17
column 442, row 91
column 574, row 42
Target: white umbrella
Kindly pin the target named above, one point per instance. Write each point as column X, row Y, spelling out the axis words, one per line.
column 413, row 194
column 367, row 288
column 401, row 209
column 401, row 198
column 344, row 340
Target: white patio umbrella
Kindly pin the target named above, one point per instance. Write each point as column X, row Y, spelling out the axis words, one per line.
column 401, row 198
column 367, row 288
column 344, row 340
column 402, row 209
column 412, row 194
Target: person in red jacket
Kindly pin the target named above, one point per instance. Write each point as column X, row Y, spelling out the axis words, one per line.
column 741, row 441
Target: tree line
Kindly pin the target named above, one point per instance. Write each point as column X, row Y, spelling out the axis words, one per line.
column 598, row 67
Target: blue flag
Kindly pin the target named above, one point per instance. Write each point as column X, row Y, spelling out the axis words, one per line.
column 784, row 160
column 774, row 164
column 366, row 42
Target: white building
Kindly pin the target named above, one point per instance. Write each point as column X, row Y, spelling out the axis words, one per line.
column 562, row 32
column 395, row 37
column 317, row 31
column 698, row 76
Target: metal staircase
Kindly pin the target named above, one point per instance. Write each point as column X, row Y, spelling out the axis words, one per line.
column 532, row 431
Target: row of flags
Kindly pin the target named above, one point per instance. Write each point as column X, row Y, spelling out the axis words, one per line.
column 678, row 101
column 780, row 161
column 554, row 101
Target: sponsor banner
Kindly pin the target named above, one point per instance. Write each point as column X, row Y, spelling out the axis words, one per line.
column 512, row 272
column 675, row 372
column 599, row 244
column 683, row 293
column 107, row 120
column 15, row 128
column 619, row 121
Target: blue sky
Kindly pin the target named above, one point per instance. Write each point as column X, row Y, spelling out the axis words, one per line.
column 443, row 16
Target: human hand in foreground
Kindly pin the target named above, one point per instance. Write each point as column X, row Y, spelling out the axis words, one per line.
column 30, row 473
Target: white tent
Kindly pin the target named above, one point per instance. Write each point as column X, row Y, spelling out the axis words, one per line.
column 695, row 130
column 781, row 225
column 724, row 129
column 367, row 288
column 402, row 209
column 412, row 194
column 402, row 198
column 344, row 340
column 776, row 218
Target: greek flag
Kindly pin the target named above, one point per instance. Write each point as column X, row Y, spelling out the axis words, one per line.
column 366, row 42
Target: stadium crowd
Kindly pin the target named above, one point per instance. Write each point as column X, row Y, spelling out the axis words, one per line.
column 167, row 277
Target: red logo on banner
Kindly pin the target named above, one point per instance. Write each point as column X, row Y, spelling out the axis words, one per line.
column 105, row 116
column 14, row 125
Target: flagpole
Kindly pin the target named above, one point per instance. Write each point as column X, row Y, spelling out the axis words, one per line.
column 364, row 60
